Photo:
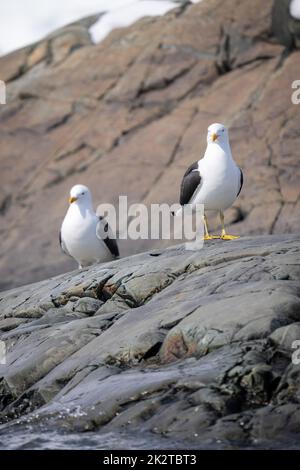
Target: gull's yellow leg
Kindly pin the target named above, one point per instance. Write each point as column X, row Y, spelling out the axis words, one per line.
column 224, row 235
column 207, row 236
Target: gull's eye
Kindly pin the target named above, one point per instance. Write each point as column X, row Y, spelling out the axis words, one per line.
column 82, row 194
column 223, row 130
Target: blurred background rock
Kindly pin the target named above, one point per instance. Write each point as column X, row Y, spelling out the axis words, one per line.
column 129, row 114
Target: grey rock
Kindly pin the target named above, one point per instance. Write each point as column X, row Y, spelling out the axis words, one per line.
column 7, row 324
column 191, row 345
column 87, row 305
column 286, row 335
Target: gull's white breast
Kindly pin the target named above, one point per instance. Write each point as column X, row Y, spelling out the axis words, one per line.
column 220, row 178
column 79, row 234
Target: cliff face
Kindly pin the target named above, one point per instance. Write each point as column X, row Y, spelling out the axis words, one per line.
column 192, row 346
column 129, row 115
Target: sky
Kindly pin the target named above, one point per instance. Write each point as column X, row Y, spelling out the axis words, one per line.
column 23, row 22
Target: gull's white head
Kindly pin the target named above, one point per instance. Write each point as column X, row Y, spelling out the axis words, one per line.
column 217, row 134
column 80, row 194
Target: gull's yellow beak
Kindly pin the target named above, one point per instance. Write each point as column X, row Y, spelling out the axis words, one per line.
column 214, row 137
column 72, row 199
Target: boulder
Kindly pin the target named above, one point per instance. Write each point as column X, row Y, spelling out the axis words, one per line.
column 192, row 346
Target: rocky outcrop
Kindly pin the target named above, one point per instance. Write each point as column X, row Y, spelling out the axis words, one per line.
column 194, row 346
column 128, row 115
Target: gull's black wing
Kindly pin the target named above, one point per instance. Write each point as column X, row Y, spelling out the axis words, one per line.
column 103, row 231
column 63, row 245
column 241, row 181
column 190, row 183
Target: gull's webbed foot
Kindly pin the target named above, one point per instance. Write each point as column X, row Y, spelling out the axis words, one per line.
column 207, row 237
column 224, row 235
column 211, row 237
column 228, row 237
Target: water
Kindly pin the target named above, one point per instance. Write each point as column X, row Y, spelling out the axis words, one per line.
column 28, row 438
column 38, row 437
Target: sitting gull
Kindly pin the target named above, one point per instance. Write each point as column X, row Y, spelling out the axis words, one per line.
column 83, row 234
column 215, row 180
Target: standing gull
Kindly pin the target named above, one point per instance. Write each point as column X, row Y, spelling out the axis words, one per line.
column 83, row 234
column 215, row 180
